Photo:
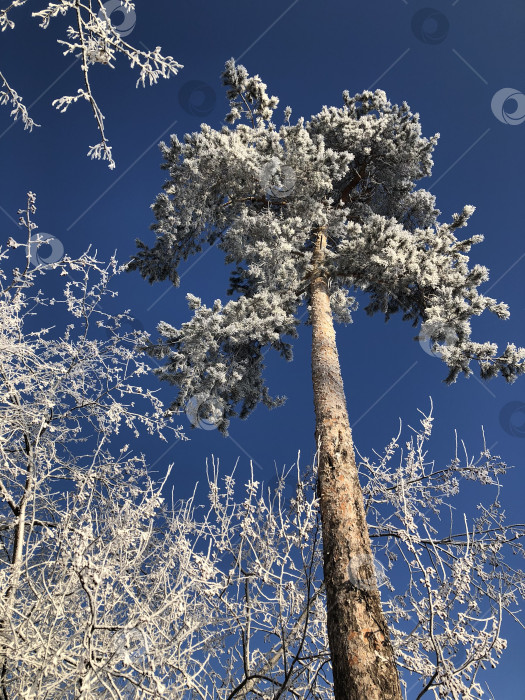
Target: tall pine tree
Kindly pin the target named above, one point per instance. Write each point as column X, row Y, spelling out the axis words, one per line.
column 305, row 213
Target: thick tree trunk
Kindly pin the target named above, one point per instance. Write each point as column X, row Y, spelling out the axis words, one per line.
column 363, row 662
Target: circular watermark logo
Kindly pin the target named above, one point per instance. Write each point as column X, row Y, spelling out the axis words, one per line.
column 512, row 418
column 205, row 411
column 277, row 180
column 128, row 21
column 365, row 573
column 508, row 105
column 44, row 250
column 440, row 332
column 197, row 98
column 430, row 25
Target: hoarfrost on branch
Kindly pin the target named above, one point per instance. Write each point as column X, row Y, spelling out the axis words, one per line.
column 92, row 39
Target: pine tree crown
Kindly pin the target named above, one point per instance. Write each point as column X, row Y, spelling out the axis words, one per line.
column 260, row 193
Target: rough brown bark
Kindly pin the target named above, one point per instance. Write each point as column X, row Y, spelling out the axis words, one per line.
column 363, row 661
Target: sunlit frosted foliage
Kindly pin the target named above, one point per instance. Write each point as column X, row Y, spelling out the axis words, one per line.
column 121, row 596
column 455, row 577
column 260, row 192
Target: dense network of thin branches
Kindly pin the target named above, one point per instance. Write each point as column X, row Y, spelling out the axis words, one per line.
column 110, row 590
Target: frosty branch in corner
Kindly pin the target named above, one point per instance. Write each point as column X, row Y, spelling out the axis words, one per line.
column 92, row 39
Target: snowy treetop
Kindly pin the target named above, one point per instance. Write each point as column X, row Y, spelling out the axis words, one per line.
column 262, row 194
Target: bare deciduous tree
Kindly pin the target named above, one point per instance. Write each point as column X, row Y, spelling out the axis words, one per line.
column 109, row 591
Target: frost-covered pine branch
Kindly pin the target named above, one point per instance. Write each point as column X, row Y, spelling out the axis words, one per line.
column 93, row 38
column 258, row 191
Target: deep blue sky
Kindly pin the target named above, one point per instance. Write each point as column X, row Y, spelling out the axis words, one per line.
column 447, row 67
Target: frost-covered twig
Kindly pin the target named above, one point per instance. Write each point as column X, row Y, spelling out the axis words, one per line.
column 93, row 39
column 7, row 94
column 445, row 613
